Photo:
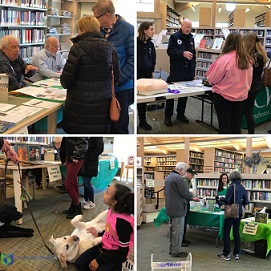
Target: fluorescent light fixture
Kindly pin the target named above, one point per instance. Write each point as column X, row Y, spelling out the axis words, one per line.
column 219, row 9
column 247, row 10
column 193, row 8
column 230, row 6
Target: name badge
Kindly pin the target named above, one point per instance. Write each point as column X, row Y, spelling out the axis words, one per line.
column 179, row 42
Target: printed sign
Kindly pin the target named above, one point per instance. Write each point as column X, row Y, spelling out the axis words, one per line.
column 250, row 228
column 54, row 173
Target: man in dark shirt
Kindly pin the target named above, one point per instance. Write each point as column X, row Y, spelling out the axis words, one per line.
column 12, row 64
column 182, row 54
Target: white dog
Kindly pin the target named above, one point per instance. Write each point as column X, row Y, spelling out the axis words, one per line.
column 68, row 248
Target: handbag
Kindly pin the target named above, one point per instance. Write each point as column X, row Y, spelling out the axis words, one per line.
column 114, row 111
column 266, row 76
column 232, row 210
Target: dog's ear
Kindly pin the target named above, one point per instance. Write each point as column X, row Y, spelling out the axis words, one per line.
column 52, row 240
column 62, row 260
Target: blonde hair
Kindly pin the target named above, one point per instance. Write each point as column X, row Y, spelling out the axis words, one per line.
column 103, row 6
column 252, row 46
column 6, row 40
column 88, row 24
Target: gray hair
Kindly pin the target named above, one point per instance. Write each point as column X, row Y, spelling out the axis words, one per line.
column 235, row 175
column 181, row 166
column 103, row 6
column 5, row 41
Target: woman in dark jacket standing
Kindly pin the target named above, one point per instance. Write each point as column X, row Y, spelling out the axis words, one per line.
column 257, row 52
column 90, row 169
column 241, row 199
column 75, row 148
column 87, row 78
column 146, row 60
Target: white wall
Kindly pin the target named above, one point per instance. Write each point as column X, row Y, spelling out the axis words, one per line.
column 124, row 145
column 125, row 8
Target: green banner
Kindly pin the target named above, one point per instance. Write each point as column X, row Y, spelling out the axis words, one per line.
column 262, row 107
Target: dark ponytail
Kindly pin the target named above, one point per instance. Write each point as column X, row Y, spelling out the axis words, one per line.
column 125, row 199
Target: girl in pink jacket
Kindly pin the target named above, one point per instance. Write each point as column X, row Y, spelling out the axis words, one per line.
column 231, row 77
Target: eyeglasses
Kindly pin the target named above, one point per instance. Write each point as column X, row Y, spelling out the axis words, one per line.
column 101, row 15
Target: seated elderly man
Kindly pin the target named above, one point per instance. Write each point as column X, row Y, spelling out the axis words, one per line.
column 49, row 61
column 12, row 64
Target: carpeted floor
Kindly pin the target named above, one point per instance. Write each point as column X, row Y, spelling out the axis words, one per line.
column 193, row 112
column 30, row 253
column 152, row 240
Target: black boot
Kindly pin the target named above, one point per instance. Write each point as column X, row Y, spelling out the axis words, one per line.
column 75, row 212
column 71, row 208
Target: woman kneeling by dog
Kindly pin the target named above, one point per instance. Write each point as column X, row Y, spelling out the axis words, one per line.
column 118, row 237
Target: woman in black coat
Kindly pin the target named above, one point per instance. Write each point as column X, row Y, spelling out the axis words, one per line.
column 87, row 78
column 90, row 169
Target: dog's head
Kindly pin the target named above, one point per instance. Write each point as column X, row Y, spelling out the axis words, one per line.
column 66, row 248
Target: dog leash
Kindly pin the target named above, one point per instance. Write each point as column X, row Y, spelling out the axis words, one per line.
column 24, row 197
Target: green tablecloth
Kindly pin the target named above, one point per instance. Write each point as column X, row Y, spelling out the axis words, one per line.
column 198, row 218
column 262, row 107
column 263, row 232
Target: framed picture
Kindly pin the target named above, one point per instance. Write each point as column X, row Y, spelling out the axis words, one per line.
column 261, row 217
column 34, row 153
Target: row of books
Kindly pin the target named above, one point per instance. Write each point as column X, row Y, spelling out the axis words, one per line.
column 26, row 35
column 27, row 52
column 165, row 168
column 11, row 17
column 228, row 154
column 206, row 193
column 207, row 55
column 196, row 155
column 255, row 196
column 257, row 184
column 30, row 139
column 205, row 65
column 221, row 164
column 208, row 182
column 196, row 161
column 25, row 3
column 169, row 158
column 166, row 163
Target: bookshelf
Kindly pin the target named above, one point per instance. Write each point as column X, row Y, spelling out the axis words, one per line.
column 262, row 20
column 26, row 20
column 258, row 188
column 195, row 159
column 140, row 199
column 61, row 19
column 219, row 160
column 205, row 57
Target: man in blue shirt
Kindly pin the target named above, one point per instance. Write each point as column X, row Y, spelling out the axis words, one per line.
column 121, row 34
column 49, row 61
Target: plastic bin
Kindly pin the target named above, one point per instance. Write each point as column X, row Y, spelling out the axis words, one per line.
column 173, row 265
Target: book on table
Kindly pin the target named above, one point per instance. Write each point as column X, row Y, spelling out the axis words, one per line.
column 5, row 125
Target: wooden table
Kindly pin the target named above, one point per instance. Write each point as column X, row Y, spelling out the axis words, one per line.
column 51, row 113
column 17, row 178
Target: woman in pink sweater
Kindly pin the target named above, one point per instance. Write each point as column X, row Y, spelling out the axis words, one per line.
column 231, row 77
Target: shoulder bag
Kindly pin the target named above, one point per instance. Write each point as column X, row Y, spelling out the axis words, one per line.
column 114, row 111
column 232, row 211
column 266, row 77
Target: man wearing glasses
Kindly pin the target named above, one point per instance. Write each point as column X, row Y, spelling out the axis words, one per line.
column 49, row 61
column 121, row 34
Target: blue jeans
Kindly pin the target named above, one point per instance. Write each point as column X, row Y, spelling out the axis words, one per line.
column 176, row 234
column 83, row 261
column 88, row 189
column 235, row 224
column 125, row 98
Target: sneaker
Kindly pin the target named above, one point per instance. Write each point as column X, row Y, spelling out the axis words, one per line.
column 223, row 257
column 89, row 205
column 236, row 257
column 144, row 125
column 83, row 202
column 185, row 241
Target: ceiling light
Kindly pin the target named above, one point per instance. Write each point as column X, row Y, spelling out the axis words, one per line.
column 230, row 6
column 247, row 10
column 193, row 8
column 219, row 9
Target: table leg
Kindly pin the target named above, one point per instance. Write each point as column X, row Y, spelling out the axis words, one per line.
column 51, row 123
column 17, row 193
column 43, row 178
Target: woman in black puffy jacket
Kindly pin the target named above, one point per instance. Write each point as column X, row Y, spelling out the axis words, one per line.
column 87, row 78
